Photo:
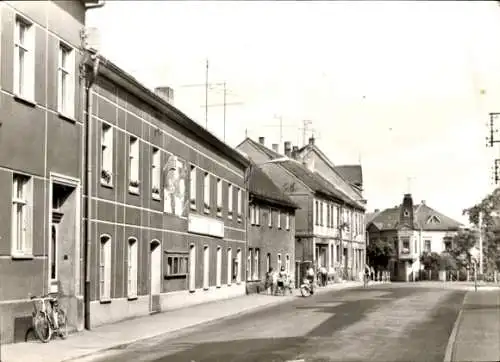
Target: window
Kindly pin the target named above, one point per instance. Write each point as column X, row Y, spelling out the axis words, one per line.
column 249, row 264
column 192, row 268
column 256, row 263
column 328, row 218
column 287, row 221
column 321, row 214
column 22, row 202
column 238, row 266
column 433, row 220
column 332, row 254
column 427, row 246
column 66, row 81
column 230, row 201
column 406, row 245
column 268, row 262
column 229, row 266
column 192, row 187
column 447, row 243
column 252, row 214
column 24, row 59
column 105, row 269
column 287, row 264
column 106, row 154
column 219, row 197
column 206, row 267
column 337, row 252
column 218, row 272
column 206, row 193
column 132, row 268
column 270, row 218
column 279, row 262
column 335, row 217
column 133, row 166
column 239, row 203
column 155, row 173
column 177, row 264
column 316, row 213
column 415, row 246
column 279, row 219
column 257, row 215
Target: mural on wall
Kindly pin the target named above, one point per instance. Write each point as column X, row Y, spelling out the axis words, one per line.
column 174, row 191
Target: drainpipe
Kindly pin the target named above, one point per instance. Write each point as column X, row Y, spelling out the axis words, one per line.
column 88, row 162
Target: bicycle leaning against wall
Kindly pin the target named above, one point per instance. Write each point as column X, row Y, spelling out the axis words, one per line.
column 48, row 318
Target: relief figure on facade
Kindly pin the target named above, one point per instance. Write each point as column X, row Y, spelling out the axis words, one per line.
column 175, row 186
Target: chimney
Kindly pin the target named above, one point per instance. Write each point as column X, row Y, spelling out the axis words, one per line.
column 166, row 93
column 261, row 140
column 377, row 210
column 295, row 151
column 287, row 149
column 275, row 147
column 311, row 141
column 423, row 202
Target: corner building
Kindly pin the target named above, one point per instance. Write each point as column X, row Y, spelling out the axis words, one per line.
column 167, row 216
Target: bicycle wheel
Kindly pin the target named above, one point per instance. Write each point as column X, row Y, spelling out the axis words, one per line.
column 62, row 322
column 42, row 328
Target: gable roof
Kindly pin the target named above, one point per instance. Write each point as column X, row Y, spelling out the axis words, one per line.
column 351, row 173
column 389, row 219
column 262, row 187
column 313, row 180
column 168, row 113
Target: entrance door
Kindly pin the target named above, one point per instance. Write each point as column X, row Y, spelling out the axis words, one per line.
column 155, row 276
column 54, row 287
column 192, row 268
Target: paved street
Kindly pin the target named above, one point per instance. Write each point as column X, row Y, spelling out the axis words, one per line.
column 380, row 323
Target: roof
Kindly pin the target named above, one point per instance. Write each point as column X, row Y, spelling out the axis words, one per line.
column 317, row 183
column 262, row 187
column 351, row 173
column 389, row 219
column 270, row 153
column 111, row 71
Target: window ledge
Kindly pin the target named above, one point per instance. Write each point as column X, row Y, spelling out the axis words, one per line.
column 132, row 298
column 67, row 117
column 23, row 99
column 105, row 301
column 192, row 291
column 133, row 190
column 174, row 276
column 108, row 185
column 206, row 289
column 229, row 284
column 22, row 256
column 218, row 286
column 156, row 197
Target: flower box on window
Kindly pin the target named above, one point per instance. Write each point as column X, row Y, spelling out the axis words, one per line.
column 206, row 207
column 192, row 204
column 405, row 251
column 230, row 214
column 239, row 218
column 133, row 186
column 219, row 210
column 155, row 191
column 106, row 177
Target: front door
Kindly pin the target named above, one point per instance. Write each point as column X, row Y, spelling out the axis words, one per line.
column 155, row 276
column 54, row 288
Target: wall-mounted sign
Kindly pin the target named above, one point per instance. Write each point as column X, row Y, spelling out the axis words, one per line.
column 204, row 225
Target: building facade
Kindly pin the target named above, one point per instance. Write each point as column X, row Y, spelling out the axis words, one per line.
column 167, row 207
column 413, row 230
column 41, row 135
column 325, row 219
column 271, row 230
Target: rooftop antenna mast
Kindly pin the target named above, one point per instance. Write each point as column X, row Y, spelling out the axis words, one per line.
column 304, row 129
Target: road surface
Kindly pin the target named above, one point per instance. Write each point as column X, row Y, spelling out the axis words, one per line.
column 379, row 323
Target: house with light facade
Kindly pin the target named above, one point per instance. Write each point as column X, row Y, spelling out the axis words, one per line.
column 413, row 230
column 327, row 220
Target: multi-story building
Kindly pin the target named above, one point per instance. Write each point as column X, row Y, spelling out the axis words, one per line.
column 271, row 230
column 41, row 160
column 168, row 204
column 325, row 224
column 413, row 230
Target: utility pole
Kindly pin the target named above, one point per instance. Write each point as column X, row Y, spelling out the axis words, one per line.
column 206, row 96
column 491, row 140
column 480, row 242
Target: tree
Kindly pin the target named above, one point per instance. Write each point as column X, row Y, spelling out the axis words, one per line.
column 462, row 243
column 430, row 261
column 380, row 252
column 489, row 207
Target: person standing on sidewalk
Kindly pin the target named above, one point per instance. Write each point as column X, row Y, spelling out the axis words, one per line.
column 324, row 275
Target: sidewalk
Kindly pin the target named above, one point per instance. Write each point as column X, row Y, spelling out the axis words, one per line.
column 476, row 334
column 109, row 336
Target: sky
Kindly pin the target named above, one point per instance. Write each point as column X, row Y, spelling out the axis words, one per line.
column 393, row 85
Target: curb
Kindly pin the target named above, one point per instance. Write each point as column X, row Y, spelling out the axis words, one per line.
column 450, row 347
column 272, row 303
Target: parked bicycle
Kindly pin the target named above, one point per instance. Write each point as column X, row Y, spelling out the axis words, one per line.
column 48, row 318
